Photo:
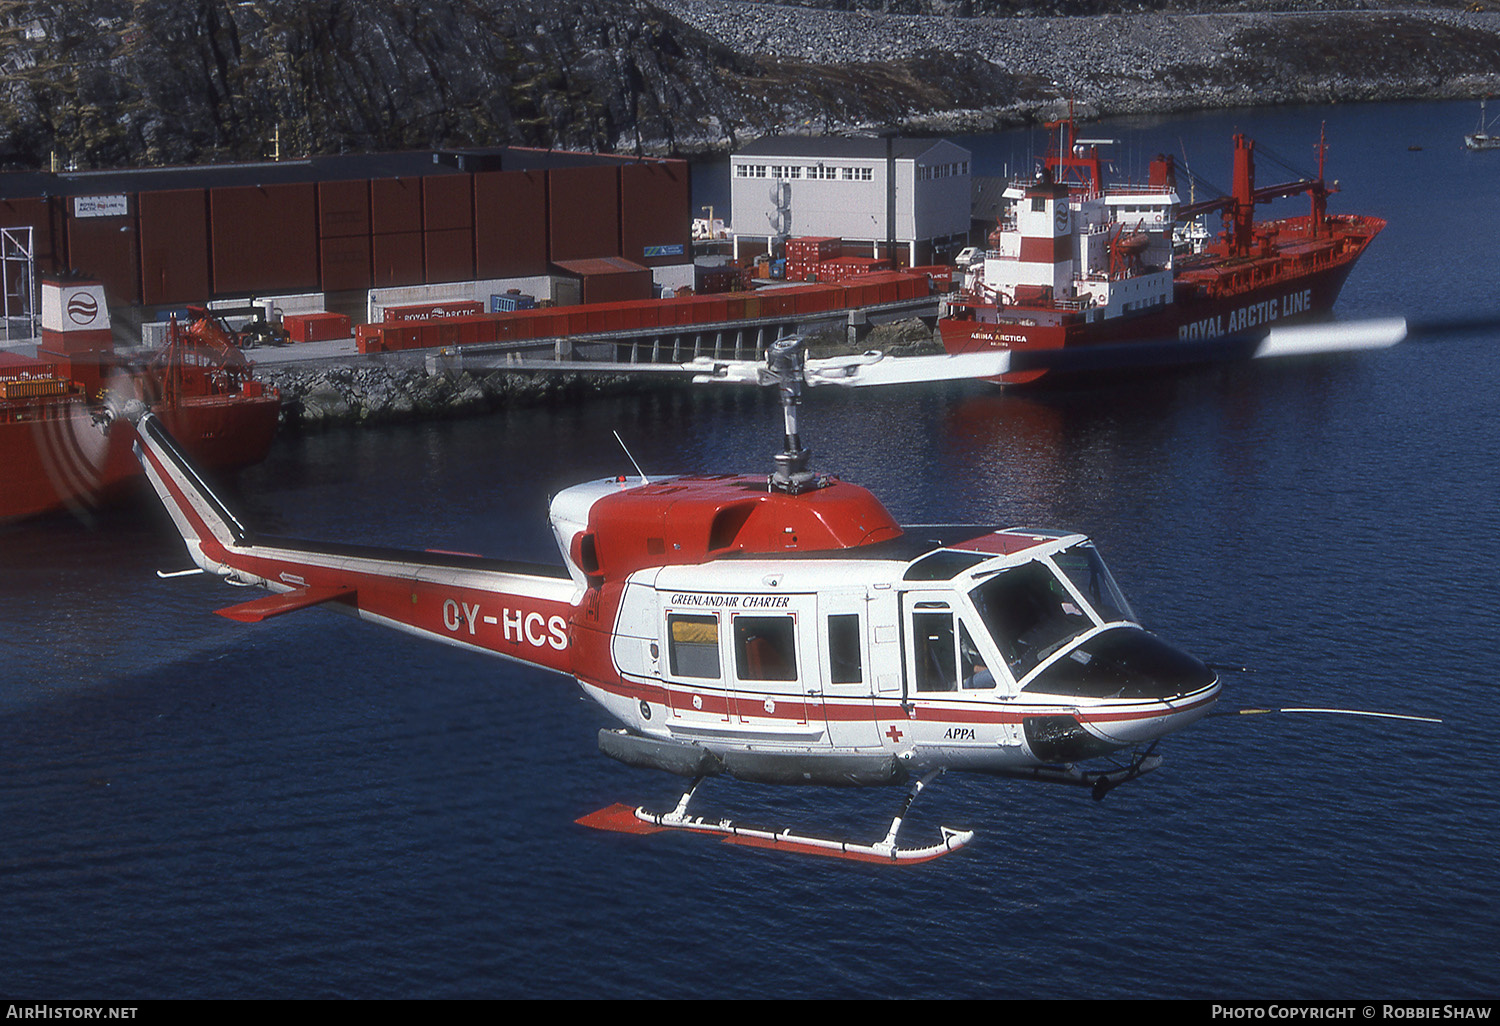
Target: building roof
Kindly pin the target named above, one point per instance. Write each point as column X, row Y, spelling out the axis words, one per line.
column 988, row 197
column 593, row 266
column 848, row 147
column 409, row 164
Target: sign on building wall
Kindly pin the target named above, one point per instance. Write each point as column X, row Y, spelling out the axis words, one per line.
column 101, row 206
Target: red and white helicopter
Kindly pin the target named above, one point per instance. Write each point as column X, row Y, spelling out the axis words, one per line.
column 779, row 628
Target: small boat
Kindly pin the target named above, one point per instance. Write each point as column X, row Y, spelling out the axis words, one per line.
column 1482, row 138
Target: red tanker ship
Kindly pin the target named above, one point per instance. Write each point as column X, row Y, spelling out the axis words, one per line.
column 1075, row 263
column 53, row 455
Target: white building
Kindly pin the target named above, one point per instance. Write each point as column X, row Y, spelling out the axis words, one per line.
column 861, row 190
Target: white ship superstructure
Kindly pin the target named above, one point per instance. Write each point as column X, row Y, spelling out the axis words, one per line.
column 1065, row 242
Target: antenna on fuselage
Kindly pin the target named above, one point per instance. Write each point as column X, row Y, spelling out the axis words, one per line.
column 633, row 463
column 786, row 363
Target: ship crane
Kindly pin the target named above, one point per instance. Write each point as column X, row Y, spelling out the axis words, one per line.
column 1238, row 208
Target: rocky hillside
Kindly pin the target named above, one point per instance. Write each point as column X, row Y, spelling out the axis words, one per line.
column 113, row 82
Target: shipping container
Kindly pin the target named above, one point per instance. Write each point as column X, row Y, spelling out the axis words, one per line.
column 813, row 249
column 512, row 301
column 422, row 312
column 940, row 275
column 843, row 268
column 607, row 279
column 727, row 278
column 316, row 327
column 368, row 338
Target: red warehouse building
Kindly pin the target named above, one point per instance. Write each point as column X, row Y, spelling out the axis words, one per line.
column 160, row 237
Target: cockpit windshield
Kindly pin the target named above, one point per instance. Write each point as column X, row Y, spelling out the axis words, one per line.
column 1029, row 613
column 1085, row 568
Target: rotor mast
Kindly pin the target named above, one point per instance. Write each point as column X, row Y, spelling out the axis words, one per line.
column 786, row 364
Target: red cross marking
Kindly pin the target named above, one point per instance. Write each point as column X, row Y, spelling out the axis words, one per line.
column 893, row 733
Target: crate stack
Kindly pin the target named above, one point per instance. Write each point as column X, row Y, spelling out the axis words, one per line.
column 807, row 253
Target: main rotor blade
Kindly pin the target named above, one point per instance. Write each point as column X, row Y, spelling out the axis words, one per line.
column 1340, row 712
column 862, row 370
column 1334, row 337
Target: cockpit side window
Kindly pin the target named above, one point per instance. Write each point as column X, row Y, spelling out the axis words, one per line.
column 693, row 645
column 1029, row 613
column 765, row 647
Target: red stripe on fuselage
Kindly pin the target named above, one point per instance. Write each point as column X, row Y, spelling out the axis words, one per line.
column 797, row 708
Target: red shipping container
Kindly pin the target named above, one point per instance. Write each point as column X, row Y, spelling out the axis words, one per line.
column 316, row 327
column 813, row 248
column 846, row 267
column 715, row 309
column 941, row 275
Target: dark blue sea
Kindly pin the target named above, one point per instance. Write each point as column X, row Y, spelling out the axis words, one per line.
column 313, row 808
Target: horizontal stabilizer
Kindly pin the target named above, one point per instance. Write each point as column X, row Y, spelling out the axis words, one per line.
column 268, row 606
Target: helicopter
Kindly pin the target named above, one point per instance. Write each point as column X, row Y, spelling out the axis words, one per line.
column 779, row 628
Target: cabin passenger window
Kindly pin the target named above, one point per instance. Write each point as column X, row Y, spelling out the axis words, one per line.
column 843, row 649
column 934, row 651
column 693, row 645
column 765, row 647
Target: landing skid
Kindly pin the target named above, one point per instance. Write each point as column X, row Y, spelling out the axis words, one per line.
column 624, row 819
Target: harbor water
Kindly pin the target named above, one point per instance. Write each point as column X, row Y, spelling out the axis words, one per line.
column 312, row 807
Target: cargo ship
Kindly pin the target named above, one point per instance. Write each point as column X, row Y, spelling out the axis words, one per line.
column 54, row 453
column 1075, row 262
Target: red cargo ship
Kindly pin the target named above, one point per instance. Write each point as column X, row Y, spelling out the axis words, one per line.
column 53, row 454
column 1074, row 263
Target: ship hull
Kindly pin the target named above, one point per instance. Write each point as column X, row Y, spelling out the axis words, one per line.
column 53, row 457
column 1214, row 300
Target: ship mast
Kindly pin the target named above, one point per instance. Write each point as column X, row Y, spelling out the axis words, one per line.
column 1074, row 163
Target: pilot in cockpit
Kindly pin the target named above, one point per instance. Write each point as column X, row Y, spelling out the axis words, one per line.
column 980, row 678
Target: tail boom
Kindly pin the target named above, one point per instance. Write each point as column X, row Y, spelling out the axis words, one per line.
column 517, row 611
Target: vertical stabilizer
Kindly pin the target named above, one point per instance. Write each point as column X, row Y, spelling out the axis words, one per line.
column 204, row 522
